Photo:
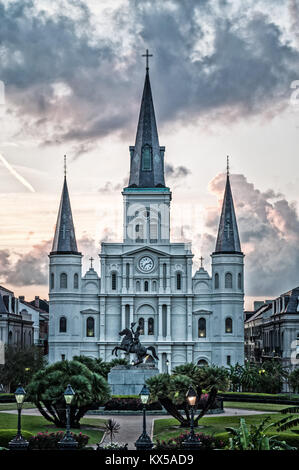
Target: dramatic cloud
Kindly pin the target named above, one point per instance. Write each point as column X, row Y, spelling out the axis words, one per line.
column 177, row 173
column 269, row 233
column 70, row 77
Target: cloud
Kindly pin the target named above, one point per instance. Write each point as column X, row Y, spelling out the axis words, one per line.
column 110, row 187
column 69, row 79
column 173, row 173
column 269, row 234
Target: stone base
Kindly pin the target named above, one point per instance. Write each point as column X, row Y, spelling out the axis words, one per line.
column 129, row 380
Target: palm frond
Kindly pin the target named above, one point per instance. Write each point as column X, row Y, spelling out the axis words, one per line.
column 290, row 409
column 289, row 424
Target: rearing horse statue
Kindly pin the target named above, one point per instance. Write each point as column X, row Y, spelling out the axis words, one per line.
column 131, row 344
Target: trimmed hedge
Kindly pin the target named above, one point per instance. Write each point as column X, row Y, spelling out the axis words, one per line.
column 259, row 398
column 6, row 435
column 7, row 397
column 291, row 438
column 129, row 404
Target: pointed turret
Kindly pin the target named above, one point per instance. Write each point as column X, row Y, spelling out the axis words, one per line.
column 147, row 157
column 64, row 239
column 228, row 236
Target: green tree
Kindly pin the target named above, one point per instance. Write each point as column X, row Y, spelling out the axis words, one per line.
column 20, row 366
column 294, row 380
column 48, row 385
column 99, row 366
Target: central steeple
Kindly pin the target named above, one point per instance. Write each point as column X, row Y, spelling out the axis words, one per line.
column 147, row 157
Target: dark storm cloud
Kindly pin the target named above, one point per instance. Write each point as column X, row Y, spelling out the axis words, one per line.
column 67, row 84
column 269, row 233
column 175, row 173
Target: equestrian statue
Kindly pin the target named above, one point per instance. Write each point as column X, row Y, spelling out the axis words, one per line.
column 131, row 344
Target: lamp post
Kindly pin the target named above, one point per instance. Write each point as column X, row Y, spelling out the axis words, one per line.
column 68, row 442
column 144, row 441
column 191, row 442
column 18, row 442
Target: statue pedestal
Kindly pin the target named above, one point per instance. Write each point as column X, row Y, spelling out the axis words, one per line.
column 129, row 380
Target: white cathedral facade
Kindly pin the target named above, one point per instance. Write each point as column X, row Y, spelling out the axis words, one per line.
column 147, row 279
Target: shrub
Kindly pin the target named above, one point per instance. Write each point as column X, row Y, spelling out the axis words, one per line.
column 207, row 442
column 6, row 435
column 130, row 404
column 290, row 438
column 49, row 441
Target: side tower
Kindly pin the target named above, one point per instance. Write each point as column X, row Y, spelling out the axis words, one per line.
column 64, row 284
column 146, row 199
column 228, row 287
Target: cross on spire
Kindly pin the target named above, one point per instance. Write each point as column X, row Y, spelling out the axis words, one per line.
column 147, row 55
column 227, row 165
column 91, row 260
column 201, row 261
column 65, row 166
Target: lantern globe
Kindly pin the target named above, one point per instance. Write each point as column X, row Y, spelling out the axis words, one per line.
column 191, row 396
column 69, row 394
column 144, row 395
column 20, row 395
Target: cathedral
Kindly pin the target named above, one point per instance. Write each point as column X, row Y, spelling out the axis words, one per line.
column 146, row 278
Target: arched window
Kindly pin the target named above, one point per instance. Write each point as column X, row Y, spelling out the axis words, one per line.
column 127, row 275
column 150, row 328
column 113, row 281
column 146, row 158
column 228, row 325
column 164, row 276
column 178, row 281
column 127, row 316
column 202, row 328
column 62, row 325
column 141, row 324
column 63, row 281
column 137, row 286
column 76, row 281
column 228, row 281
column 202, row 363
column 52, row 280
column 145, row 286
column 239, row 281
column 216, row 281
column 154, row 286
column 164, row 321
column 90, row 327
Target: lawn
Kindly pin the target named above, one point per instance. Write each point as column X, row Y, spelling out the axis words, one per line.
column 92, row 427
column 13, row 406
column 254, row 406
column 165, row 429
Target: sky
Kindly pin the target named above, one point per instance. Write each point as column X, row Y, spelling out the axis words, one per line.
column 225, row 81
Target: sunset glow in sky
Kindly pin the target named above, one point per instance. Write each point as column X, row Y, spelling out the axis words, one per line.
column 223, row 77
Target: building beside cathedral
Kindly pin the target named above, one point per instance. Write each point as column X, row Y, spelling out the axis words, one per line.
column 147, row 279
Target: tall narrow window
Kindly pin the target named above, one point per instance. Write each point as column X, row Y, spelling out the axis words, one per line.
column 113, row 281
column 63, row 280
column 141, row 324
column 216, row 281
column 150, row 329
column 127, row 275
column 178, row 281
column 202, row 328
column 127, row 316
column 137, row 286
column 146, row 158
column 154, row 286
column 153, row 232
column 239, row 281
column 52, row 280
column 228, row 325
column 62, row 325
column 76, row 281
column 90, row 327
column 164, row 276
column 228, row 360
column 145, row 286
column 228, row 281
column 164, row 321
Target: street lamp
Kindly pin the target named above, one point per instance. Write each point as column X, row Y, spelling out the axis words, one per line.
column 18, row 442
column 68, row 442
column 191, row 442
column 144, row 441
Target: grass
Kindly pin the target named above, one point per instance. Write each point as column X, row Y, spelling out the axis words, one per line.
column 253, row 406
column 92, row 427
column 13, row 406
column 165, row 429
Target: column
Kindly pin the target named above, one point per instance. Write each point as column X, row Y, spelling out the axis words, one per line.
column 102, row 319
column 161, row 290
column 131, row 313
column 168, row 334
column 168, row 276
column 160, row 337
column 189, row 319
column 103, row 275
column 189, row 276
column 123, row 316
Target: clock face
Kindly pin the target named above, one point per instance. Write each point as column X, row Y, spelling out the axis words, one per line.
column 146, row 264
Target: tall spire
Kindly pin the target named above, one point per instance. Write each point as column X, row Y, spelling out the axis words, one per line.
column 147, row 157
column 64, row 239
column 228, row 240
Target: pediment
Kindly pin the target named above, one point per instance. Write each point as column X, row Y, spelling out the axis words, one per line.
column 145, row 248
column 202, row 311
column 90, row 311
